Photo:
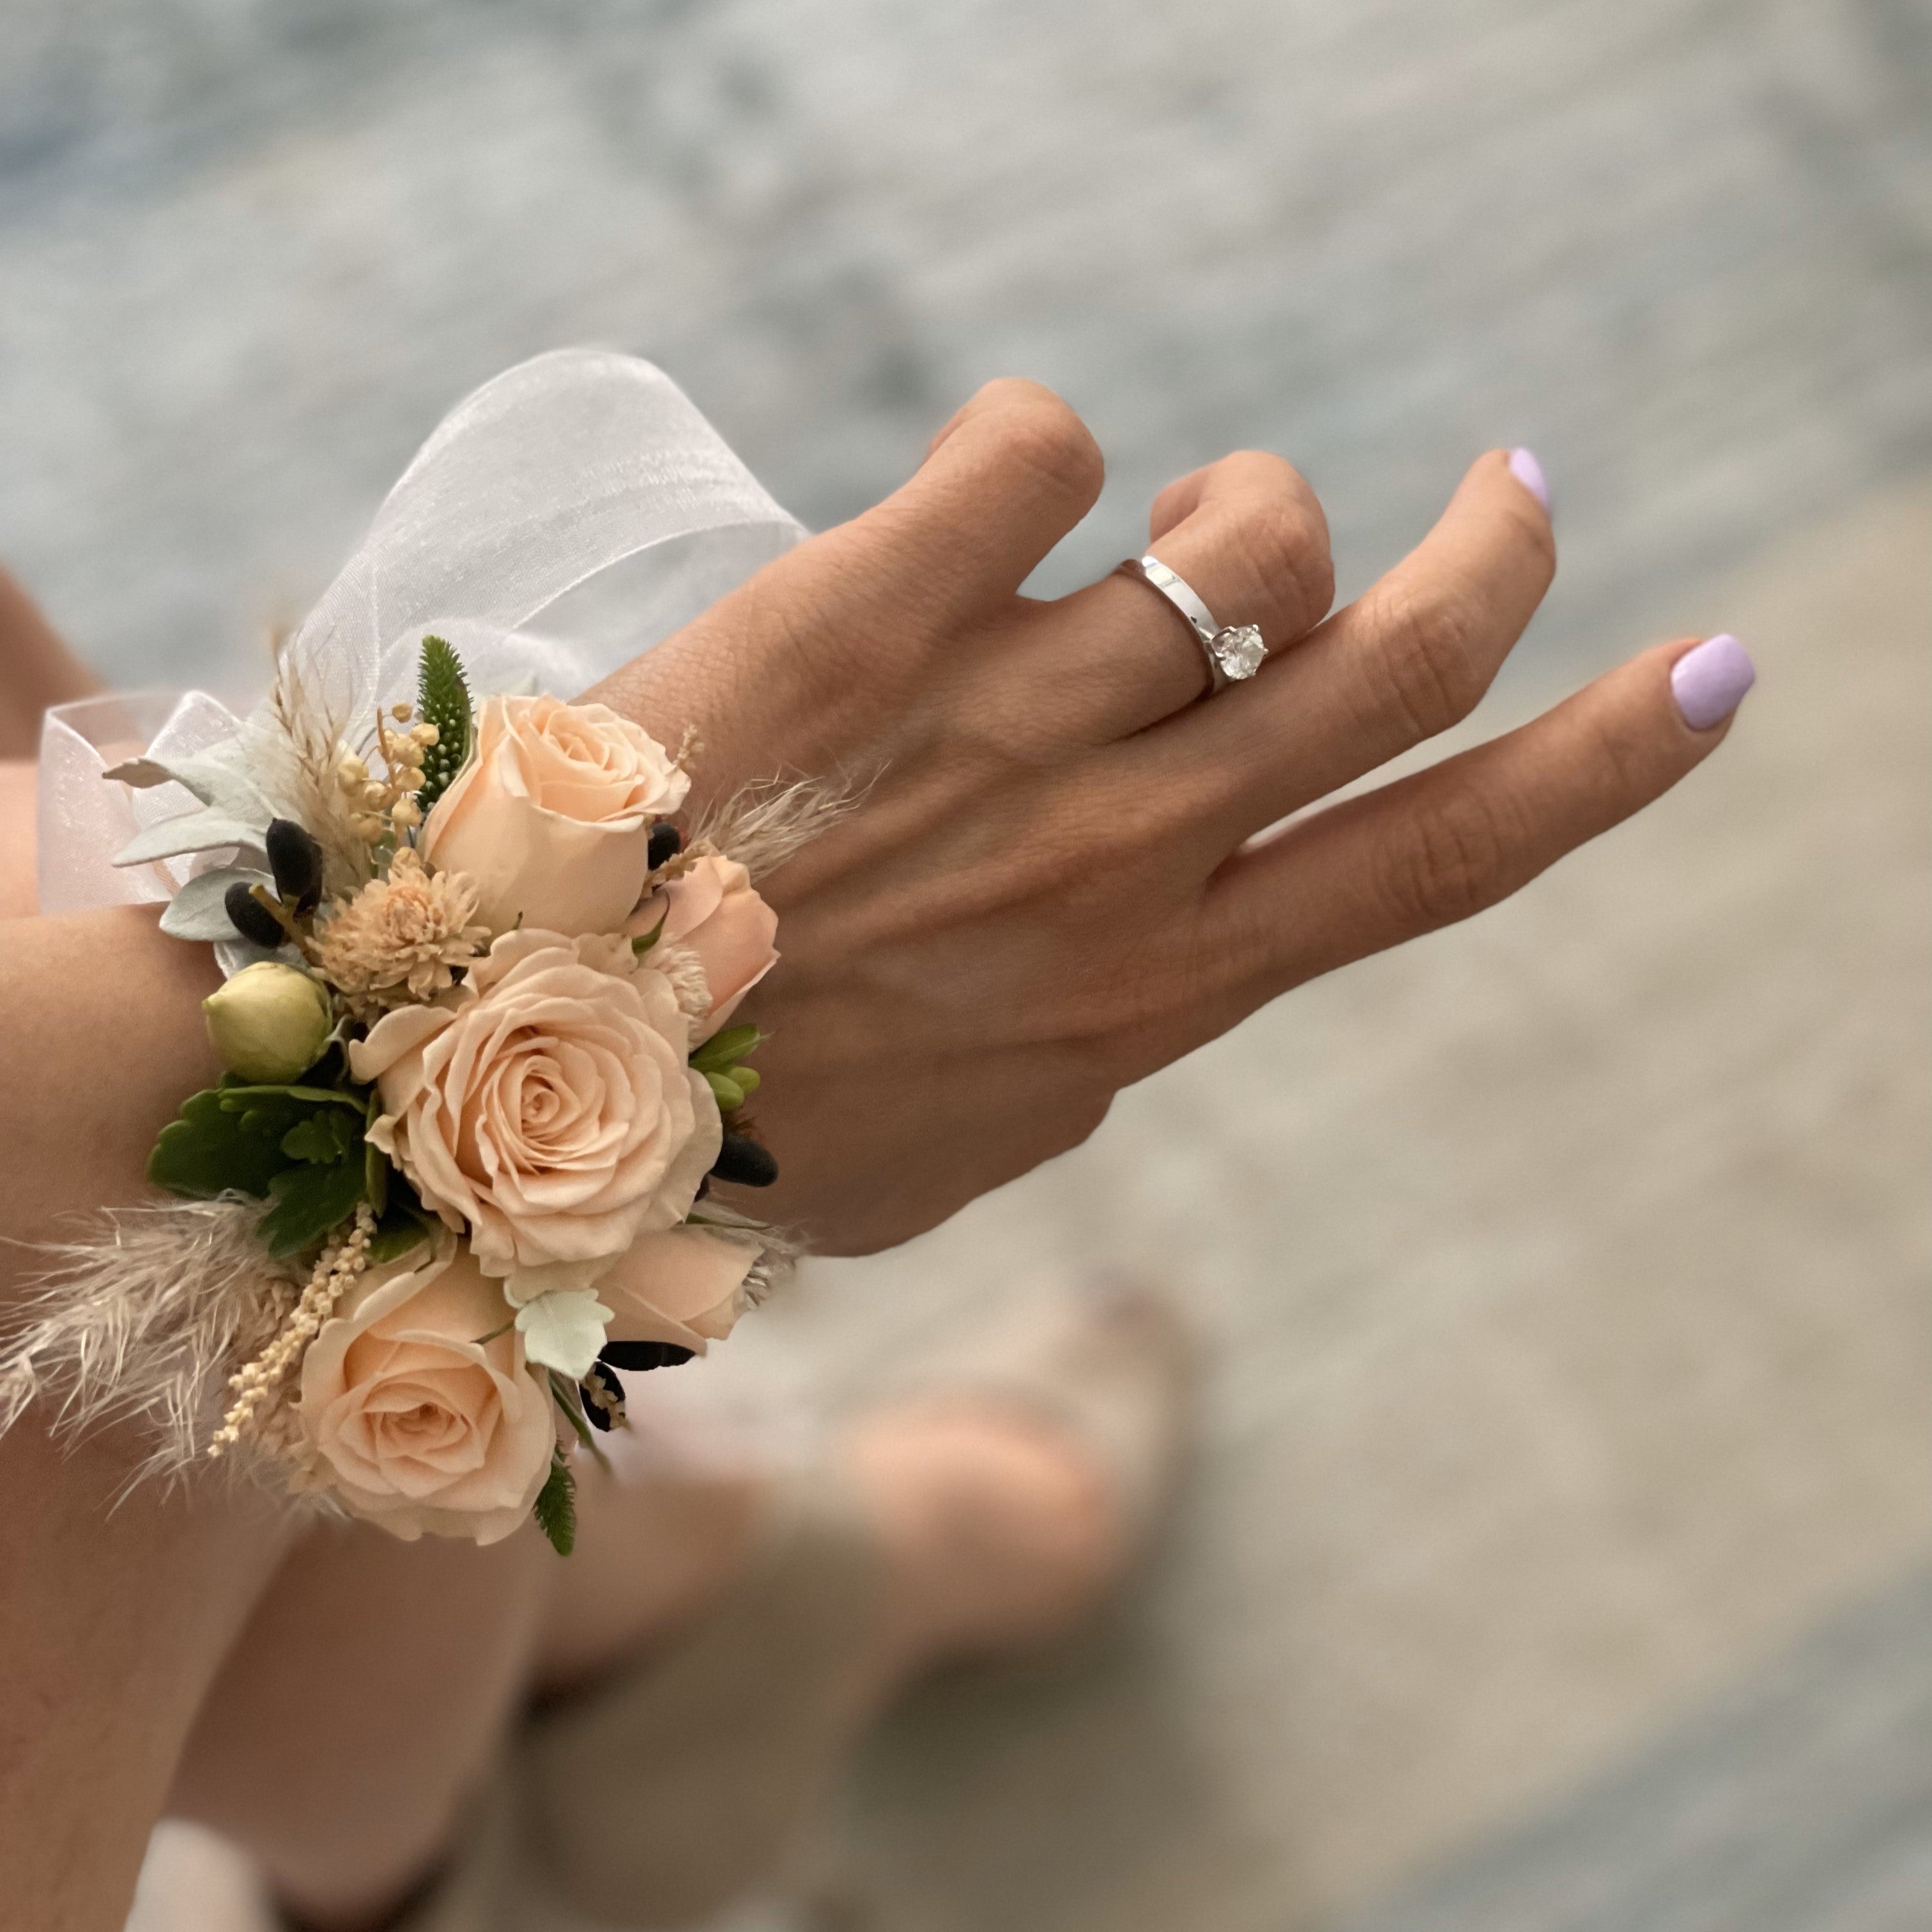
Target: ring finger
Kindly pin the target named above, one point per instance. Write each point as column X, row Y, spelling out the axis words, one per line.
column 1247, row 535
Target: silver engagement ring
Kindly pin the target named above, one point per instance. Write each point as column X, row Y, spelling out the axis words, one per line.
column 1233, row 652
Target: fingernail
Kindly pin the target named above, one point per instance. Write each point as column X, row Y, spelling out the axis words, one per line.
column 1709, row 683
column 1527, row 471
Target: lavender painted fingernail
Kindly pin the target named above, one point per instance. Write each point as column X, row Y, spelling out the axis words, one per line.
column 1709, row 683
column 1527, row 471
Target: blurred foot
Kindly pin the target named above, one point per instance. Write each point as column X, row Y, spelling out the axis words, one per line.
column 1009, row 1503
column 989, row 1515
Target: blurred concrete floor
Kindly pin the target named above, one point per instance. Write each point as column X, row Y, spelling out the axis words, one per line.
column 1570, row 1272
column 1569, row 1268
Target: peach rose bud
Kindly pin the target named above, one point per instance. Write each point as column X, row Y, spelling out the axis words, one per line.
column 684, row 1285
column 551, row 817
column 711, row 911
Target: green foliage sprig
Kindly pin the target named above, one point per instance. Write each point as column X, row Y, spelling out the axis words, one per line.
column 555, row 1507
column 302, row 1146
column 443, row 699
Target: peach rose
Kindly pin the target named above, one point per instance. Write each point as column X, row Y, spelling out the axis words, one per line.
column 685, row 1286
column 419, row 1423
column 551, row 817
column 710, row 911
column 545, row 1104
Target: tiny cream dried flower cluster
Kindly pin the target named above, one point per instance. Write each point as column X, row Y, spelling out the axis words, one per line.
column 482, row 1094
column 336, row 1267
column 381, row 807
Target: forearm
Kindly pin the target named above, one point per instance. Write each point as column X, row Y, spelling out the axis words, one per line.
column 115, row 1609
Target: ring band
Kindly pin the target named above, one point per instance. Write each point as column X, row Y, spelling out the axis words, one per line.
column 1233, row 652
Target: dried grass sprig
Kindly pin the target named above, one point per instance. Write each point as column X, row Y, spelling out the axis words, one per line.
column 305, row 743
column 762, row 824
column 142, row 1321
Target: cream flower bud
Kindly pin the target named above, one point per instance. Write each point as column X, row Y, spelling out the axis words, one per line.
column 269, row 1022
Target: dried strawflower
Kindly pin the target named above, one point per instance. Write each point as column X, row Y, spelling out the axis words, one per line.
column 400, row 939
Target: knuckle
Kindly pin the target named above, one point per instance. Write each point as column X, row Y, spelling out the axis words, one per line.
column 1044, row 436
column 1453, row 862
column 1281, row 545
column 1426, row 651
column 1298, row 564
column 1617, row 755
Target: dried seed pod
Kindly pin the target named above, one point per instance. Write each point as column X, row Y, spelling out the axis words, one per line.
column 250, row 918
column 634, row 1357
column 747, row 1163
column 603, row 1395
column 295, row 859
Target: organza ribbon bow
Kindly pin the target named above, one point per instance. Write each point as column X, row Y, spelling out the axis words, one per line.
column 582, row 487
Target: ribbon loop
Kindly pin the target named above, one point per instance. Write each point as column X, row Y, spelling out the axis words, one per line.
column 523, row 503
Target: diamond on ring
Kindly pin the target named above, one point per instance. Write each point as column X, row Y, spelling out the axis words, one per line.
column 1238, row 649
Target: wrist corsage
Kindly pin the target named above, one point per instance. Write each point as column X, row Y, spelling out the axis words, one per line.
column 482, row 1069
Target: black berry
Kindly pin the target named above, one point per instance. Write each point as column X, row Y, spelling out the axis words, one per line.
column 667, row 841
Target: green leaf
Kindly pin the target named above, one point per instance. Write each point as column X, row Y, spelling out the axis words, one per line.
column 238, row 1096
column 376, row 1178
column 309, row 1200
column 723, row 1050
column 443, row 699
column 326, row 1136
column 645, row 941
column 556, row 1506
column 210, row 1148
column 402, row 1225
column 391, row 1243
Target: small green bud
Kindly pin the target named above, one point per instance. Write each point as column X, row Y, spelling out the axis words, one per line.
column 746, row 1079
column 270, row 1022
column 726, row 1089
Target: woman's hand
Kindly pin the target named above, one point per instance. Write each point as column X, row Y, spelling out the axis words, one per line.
column 1048, row 891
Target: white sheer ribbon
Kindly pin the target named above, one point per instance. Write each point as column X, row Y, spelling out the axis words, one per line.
column 525, row 502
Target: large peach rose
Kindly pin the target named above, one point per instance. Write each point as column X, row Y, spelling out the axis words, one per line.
column 546, row 1105
column 418, row 1422
column 710, row 912
column 551, row 817
column 685, row 1286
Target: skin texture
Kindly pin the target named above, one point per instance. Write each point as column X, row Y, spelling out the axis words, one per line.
column 115, row 1614
column 1049, row 890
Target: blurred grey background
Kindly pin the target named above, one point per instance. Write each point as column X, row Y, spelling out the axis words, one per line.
column 1561, row 1552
